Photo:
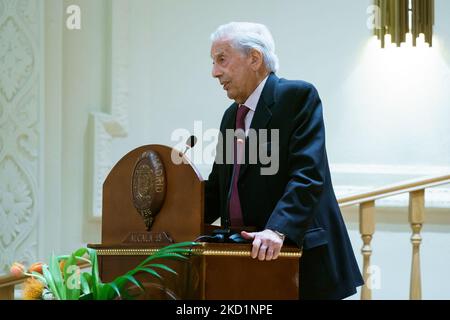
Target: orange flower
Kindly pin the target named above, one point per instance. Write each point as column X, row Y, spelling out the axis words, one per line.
column 17, row 269
column 36, row 267
column 61, row 265
column 32, row 289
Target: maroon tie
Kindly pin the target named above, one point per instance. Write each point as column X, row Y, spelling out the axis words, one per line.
column 235, row 204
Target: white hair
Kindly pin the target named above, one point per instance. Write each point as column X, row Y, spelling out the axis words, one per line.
column 245, row 36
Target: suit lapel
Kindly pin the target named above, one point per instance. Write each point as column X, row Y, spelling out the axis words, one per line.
column 263, row 114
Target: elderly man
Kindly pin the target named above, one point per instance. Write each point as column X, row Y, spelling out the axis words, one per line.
column 297, row 203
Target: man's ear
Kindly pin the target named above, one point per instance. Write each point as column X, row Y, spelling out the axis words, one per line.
column 256, row 59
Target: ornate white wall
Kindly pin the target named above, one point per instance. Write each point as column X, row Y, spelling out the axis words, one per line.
column 53, row 159
column 20, row 129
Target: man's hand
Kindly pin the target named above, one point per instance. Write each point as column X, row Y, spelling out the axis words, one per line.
column 266, row 244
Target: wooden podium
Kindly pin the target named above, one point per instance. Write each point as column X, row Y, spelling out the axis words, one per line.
column 151, row 200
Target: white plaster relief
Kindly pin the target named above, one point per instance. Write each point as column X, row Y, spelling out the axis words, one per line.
column 19, row 130
column 16, row 59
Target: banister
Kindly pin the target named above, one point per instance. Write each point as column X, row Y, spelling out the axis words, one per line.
column 394, row 189
column 8, row 279
column 366, row 201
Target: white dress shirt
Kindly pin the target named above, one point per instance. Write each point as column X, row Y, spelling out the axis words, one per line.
column 251, row 103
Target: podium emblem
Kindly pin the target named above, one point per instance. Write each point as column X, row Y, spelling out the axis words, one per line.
column 148, row 186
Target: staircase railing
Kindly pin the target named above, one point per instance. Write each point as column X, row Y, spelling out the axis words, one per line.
column 366, row 202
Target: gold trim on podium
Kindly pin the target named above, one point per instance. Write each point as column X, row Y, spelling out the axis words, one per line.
column 195, row 251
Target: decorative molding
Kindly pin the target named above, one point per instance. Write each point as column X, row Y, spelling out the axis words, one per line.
column 238, row 252
column 28, row 11
column 2, row 8
column 105, row 127
column 16, row 201
column 20, row 85
column 17, row 58
column 26, row 114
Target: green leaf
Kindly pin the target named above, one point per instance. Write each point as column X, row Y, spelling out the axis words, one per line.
column 71, row 290
column 39, row 276
column 84, row 290
column 50, row 282
column 162, row 266
column 80, row 252
column 162, row 255
column 83, row 259
column 91, row 286
column 133, row 280
column 85, row 283
column 115, row 288
column 72, row 277
column 173, row 251
column 88, row 296
column 97, row 285
column 102, row 291
column 150, row 271
column 87, row 277
column 174, row 256
column 57, row 277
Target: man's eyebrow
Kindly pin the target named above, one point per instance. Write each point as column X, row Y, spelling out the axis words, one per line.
column 218, row 55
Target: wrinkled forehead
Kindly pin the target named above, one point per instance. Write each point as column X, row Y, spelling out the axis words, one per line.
column 221, row 47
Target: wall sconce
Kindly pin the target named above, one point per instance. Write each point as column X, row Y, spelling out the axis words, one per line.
column 399, row 17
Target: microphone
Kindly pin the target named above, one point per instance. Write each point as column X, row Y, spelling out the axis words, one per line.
column 190, row 142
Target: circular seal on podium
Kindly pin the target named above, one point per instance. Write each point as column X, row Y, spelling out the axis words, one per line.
column 149, row 186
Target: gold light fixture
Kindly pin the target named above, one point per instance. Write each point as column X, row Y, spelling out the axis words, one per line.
column 399, row 17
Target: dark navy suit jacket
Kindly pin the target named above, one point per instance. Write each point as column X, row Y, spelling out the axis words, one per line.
column 298, row 200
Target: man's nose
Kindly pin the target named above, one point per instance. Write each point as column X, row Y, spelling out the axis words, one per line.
column 216, row 71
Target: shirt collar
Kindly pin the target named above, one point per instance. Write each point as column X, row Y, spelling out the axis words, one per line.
column 252, row 100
